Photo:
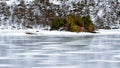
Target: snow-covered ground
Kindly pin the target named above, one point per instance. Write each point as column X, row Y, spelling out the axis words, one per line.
column 106, row 32
column 33, row 32
column 11, row 2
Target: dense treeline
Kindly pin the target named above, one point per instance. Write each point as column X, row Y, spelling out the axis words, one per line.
column 43, row 13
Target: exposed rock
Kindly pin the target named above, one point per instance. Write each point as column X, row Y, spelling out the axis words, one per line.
column 107, row 27
column 29, row 27
column 30, row 33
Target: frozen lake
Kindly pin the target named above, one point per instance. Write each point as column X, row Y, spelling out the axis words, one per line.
column 101, row 51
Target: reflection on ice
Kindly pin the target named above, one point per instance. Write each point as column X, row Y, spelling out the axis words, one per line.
column 59, row 52
column 6, row 65
column 104, row 61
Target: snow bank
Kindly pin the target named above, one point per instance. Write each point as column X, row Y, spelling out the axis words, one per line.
column 41, row 33
column 108, row 32
column 33, row 32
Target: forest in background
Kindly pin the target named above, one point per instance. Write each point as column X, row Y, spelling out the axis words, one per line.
column 75, row 16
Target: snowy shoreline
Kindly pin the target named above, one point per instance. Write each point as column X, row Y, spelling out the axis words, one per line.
column 33, row 32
